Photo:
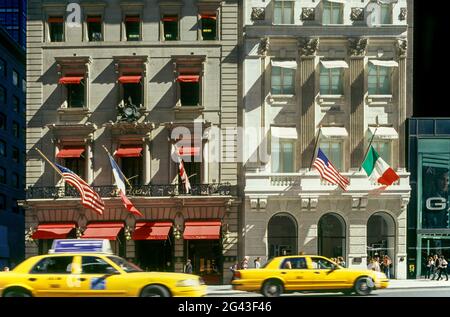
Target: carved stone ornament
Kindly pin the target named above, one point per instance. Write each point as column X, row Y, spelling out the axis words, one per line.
column 308, row 46
column 258, row 14
column 402, row 47
column 403, row 14
column 128, row 112
column 357, row 46
column 357, row 14
column 308, row 14
column 264, row 45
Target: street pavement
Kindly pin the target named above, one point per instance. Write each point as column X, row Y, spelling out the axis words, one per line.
column 396, row 288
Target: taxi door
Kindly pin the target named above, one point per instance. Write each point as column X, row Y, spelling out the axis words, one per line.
column 325, row 277
column 296, row 274
column 51, row 277
column 97, row 277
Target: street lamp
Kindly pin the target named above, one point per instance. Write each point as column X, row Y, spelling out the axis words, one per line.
column 177, row 232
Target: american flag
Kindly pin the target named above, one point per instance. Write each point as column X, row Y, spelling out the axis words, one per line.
column 89, row 198
column 183, row 174
column 328, row 172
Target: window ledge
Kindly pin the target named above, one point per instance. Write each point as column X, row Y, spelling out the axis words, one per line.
column 374, row 100
column 280, row 99
column 82, row 111
column 189, row 108
column 330, row 100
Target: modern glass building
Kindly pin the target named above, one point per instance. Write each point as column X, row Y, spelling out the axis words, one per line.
column 13, row 18
column 429, row 209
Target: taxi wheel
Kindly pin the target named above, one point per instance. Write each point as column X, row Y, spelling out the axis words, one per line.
column 363, row 286
column 272, row 289
column 16, row 293
column 155, row 291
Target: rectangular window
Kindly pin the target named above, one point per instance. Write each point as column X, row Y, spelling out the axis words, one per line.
column 133, row 27
column 2, row 121
column 2, row 148
column 2, row 95
column 383, row 149
column 16, row 154
column 170, row 27
column 209, row 27
column 76, row 165
column 15, row 180
column 15, row 129
column 283, row 156
column 2, row 175
column 132, row 94
column 189, row 94
column 331, row 81
column 56, row 29
column 94, row 28
column 379, row 80
column 2, row 67
column 132, row 169
column 16, row 104
column 15, row 78
column 2, row 202
column 282, row 82
column 332, row 13
column 75, row 95
column 193, row 171
column 333, row 151
column 283, row 12
column 386, row 14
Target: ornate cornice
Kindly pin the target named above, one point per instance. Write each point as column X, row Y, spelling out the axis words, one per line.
column 308, row 46
column 357, row 46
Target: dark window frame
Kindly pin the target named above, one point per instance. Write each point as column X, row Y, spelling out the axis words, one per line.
column 131, row 26
column 95, row 28
column 56, row 30
column 171, row 28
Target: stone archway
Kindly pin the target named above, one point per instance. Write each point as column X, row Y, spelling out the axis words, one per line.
column 282, row 235
column 332, row 236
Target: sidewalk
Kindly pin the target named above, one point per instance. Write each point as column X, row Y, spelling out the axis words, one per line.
column 393, row 284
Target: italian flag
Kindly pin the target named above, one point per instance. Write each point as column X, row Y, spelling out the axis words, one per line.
column 378, row 170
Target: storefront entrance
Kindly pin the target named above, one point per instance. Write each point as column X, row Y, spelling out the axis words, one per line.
column 206, row 257
column 332, row 236
column 155, row 255
column 282, row 235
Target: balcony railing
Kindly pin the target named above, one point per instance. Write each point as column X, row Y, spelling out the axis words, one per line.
column 310, row 183
column 53, row 192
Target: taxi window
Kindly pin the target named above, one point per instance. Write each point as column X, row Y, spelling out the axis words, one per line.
column 54, row 265
column 96, row 265
column 294, row 263
column 321, row 264
column 125, row 265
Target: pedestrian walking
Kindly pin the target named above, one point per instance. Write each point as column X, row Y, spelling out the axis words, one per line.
column 188, row 267
column 442, row 268
column 429, row 268
column 436, row 267
column 244, row 263
column 387, row 263
column 257, row 262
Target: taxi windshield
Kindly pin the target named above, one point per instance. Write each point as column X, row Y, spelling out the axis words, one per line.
column 125, row 265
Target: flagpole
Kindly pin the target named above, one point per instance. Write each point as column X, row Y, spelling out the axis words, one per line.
column 370, row 144
column 315, row 147
column 49, row 162
column 120, row 171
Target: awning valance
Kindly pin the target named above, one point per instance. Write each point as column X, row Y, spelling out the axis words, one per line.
column 135, row 79
column 94, row 19
column 284, row 132
column 67, row 80
column 152, row 230
column 387, row 133
column 53, row 231
column 334, row 132
column 189, row 151
column 382, row 63
column 170, row 19
column 188, row 78
column 56, row 20
column 129, row 152
column 209, row 16
column 103, row 230
column 202, row 230
column 334, row 64
column 285, row 64
column 70, row 153
column 132, row 19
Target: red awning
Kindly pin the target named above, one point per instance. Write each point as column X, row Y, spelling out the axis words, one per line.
column 68, row 153
column 56, row 20
column 209, row 16
column 71, row 80
column 129, row 152
column 103, row 230
column 133, row 19
column 202, row 230
column 53, row 231
column 152, row 230
column 135, row 79
column 170, row 19
column 188, row 78
column 94, row 19
column 188, row 151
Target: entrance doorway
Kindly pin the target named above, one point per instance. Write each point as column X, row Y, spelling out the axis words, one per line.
column 332, row 237
column 155, row 255
column 282, row 235
column 206, row 258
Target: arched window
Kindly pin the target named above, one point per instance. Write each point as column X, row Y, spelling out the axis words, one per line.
column 332, row 236
column 282, row 235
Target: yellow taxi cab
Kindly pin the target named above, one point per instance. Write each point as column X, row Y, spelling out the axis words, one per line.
column 307, row 273
column 88, row 268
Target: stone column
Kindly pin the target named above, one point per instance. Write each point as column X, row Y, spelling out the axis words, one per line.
column 402, row 97
column 147, row 159
column 357, row 50
column 308, row 49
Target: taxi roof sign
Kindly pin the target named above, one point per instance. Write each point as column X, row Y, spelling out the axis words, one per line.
column 81, row 246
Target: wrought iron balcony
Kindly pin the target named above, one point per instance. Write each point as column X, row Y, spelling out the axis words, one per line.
column 54, row 192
